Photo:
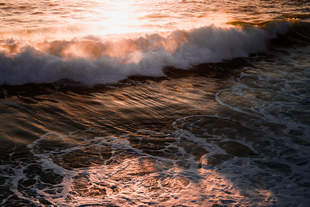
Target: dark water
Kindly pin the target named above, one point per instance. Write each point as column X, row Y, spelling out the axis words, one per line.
column 223, row 121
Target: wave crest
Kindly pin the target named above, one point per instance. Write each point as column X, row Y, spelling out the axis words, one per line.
column 97, row 60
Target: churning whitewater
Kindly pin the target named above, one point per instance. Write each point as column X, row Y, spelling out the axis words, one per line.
column 92, row 60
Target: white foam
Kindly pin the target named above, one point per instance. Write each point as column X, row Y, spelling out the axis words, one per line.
column 99, row 61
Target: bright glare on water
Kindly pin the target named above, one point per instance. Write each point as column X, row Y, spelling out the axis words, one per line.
column 68, row 18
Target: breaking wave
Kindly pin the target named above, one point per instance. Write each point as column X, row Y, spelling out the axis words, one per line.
column 97, row 60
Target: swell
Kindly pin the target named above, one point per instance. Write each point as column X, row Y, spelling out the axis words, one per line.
column 297, row 33
column 97, row 60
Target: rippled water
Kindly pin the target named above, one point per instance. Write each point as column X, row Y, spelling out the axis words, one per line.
column 154, row 103
column 100, row 16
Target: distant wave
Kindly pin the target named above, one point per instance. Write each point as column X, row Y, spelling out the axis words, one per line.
column 93, row 60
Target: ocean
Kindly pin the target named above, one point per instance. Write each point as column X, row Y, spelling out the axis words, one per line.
column 155, row 103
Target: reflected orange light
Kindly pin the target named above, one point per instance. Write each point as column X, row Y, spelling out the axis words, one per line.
column 118, row 18
column 126, row 50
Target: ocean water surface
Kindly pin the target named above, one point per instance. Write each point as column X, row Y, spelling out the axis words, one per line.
column 154, row 103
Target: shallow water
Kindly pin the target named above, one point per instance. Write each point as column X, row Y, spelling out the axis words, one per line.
column 167, row 111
